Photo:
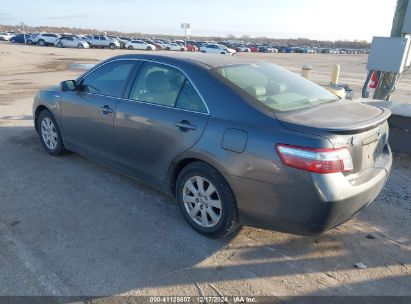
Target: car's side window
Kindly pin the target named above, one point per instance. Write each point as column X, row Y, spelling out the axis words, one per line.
column 157, row 83
column 109, row 79
column 165, row 85
column 188, row 99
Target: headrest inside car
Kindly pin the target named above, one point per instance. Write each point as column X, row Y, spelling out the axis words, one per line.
column 256, row 91
column 157, row 82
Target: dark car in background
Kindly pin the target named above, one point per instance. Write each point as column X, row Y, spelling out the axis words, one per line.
column 19, row 38
column 235, row 141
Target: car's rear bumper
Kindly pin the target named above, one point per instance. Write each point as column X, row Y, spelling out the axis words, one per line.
column 313, row 203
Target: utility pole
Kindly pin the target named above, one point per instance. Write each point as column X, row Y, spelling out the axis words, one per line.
column 387, row 79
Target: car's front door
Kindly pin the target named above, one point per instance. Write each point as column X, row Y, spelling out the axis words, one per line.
column 87, row 113
column 69, row 41
column 96, row 41
column 162, row 117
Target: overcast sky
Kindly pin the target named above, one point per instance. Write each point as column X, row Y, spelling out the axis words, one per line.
column 315, row 19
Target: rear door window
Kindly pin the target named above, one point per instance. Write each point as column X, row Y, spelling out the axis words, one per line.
column 157, row 83
column 165, row 85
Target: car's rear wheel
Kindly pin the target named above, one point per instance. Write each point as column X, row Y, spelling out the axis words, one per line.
column 148, row 48
column 112, row 46
column 80, row 46
column 41, row 43
column 49, row 133
column 206, row 200
column 60, row 45
column 167, row 48
column 130, row 47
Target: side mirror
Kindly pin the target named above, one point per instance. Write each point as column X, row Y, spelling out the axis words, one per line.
column 68, row 85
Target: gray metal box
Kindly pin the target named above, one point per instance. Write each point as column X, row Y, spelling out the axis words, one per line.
column 406, row 28
column 388, row 54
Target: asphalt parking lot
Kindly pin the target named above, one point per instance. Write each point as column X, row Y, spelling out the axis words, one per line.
column 69, row 226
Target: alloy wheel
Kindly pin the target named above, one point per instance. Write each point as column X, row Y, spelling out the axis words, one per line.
column 49, row 133
column 202, row 201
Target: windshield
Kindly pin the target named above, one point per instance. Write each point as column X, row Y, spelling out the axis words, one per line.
column 275, row 87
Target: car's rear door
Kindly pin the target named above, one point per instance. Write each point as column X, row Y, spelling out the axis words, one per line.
column 87, row 114
column 162, row 116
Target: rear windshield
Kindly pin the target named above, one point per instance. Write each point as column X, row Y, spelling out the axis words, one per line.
column 275, row 87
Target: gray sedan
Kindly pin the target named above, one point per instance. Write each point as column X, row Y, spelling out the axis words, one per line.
column 237, row 142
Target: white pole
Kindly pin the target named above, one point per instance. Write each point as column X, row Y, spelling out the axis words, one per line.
column 24, row 33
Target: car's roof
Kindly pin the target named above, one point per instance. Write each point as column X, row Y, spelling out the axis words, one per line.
column 207, row 61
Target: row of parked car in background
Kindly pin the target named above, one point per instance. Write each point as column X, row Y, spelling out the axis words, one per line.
column 132, row 43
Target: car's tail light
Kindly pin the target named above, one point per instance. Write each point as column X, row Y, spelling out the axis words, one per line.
column 316, row 160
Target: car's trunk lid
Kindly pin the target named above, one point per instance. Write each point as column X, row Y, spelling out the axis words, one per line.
column 361, row 128
column 339, row 116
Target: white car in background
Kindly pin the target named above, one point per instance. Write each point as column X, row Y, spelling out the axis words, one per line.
column 44, row 39
column 217, row 49
column 140, row 45
column 100, row 41
column 6, row 36
column 73, row 42
column 173, row 46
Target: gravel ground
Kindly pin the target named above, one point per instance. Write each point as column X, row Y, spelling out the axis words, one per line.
column 71, row 227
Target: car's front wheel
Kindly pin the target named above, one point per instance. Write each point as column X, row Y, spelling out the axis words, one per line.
column 49, row 133
column 206, row 200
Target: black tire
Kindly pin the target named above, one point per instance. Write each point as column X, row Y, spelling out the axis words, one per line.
column 229, row 221
column 41, row 42
column 167, row 48
column 29, row 42
column 130, row 47
column 59, row 149
column 148, row 48
column 112, row 46
column 80, row 46
column 60, row 45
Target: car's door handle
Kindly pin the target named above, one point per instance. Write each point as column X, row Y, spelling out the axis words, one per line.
column 106, row 110
column 185, row 124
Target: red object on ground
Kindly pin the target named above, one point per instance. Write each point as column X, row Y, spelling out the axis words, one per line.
column 373, row 84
